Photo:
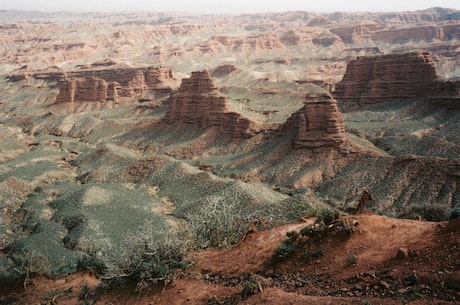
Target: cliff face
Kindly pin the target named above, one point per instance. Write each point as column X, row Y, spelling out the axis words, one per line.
column 92, row 89
column 388, row 77
column 112, row 84
column 318, row 125
column 199, row 102
column 377, row 31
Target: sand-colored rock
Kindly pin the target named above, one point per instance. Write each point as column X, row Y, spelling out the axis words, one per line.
column 318, row 125
column 199, row 102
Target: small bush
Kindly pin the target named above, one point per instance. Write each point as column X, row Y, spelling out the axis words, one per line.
column 156, row 261
column 220, row 225
column 351, row 259
column 250, row 288
column 315, row 230
column 326, row 215
column 299, row 210
column 284, row 249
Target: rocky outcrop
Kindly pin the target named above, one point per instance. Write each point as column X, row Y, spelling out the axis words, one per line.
column 112, row 84
column 223, row 70
column 376, row 31
column 357, row 32
column 374, row 79
column 402, row 35
column 92, row 89
column 318, row 125
column 200, row 103
column 256, row 42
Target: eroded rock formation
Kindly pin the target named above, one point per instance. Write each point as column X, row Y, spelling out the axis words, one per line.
column 264, row 41
column 200, row 103
column 114, row 84
column 318, row 125
column 374, row 79
column 377, row 31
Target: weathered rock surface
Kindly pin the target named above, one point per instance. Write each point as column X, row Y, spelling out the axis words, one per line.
column 264, row 41
column 357, row 32
column 199, row 102
column 110, row 84
column 374, row 79
column 318, row 125
column 418, row 33
column 377, row 31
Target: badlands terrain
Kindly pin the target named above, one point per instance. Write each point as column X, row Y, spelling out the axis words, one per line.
column 150, row 158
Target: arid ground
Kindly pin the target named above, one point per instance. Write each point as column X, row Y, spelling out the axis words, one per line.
column 278, row 158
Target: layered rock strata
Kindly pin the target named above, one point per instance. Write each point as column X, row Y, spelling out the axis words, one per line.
column 112, row 84
column 200, row 103
column 368, row 80
column 318, row 125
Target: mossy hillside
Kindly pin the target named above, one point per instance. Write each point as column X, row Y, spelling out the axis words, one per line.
column 73, row 225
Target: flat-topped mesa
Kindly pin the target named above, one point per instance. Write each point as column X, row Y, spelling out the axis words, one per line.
column 318, row 125
column 199, row 102
column 92, row 89
column 112, row 84
column 369, row 80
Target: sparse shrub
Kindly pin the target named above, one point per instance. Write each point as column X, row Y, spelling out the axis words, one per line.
column 351, row 259
column 326, row 215
column 220, row 225
column 156, row 261
column 284, row 249
column 253, row 285
column 299, row 209
column 425, row 212
column 312, row 254
column 410, row 296
column 250, row 288
column 315, row 230
column 31, row 264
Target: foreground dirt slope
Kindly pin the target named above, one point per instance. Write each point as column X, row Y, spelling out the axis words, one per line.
column 396, row 261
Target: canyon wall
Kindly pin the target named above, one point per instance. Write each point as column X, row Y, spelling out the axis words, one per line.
column 374, row 79
column 112, row 84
